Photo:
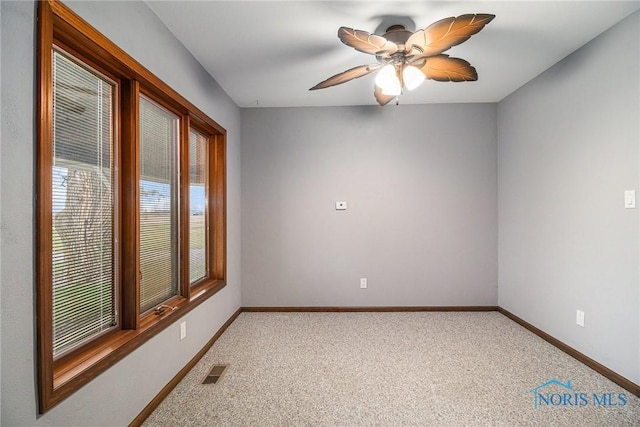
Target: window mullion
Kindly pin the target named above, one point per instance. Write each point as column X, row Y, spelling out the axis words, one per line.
column 185, row 126
column 129, row 174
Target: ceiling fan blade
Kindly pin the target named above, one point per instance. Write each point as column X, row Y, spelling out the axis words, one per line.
column 442, row 68
column 368, row 43
column 443, row 34
column 345, row 76
column 380, row 97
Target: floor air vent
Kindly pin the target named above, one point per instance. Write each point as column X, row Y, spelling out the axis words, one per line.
column 214, row 374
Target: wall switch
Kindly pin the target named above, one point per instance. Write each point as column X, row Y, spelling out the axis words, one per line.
column 630, row 199
column 363, row 283
column 183, row 330
column 580, row 318
column 341, row 206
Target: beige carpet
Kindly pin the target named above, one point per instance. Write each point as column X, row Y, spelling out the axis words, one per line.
column 389, row 369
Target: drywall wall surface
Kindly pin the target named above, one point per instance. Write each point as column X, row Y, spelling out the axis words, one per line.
column 119, row 394
column 420, row 223
column 568, row 149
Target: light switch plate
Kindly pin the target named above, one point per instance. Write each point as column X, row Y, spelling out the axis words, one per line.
column 630, row 199
column 341, row 206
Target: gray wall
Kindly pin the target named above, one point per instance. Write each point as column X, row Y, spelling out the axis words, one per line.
column 119, row 394
column 420, row 183
column 568, row 148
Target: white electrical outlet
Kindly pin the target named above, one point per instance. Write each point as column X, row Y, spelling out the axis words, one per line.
column 580, row 318
column 183, row 330
column 363, row 283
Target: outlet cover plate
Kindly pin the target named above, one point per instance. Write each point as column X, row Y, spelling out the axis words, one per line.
column 183, row 330
column 580, row 318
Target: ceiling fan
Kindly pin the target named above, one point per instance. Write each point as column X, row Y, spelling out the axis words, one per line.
column 406, row 59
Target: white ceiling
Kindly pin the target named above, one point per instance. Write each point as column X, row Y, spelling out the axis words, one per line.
column 269, row 53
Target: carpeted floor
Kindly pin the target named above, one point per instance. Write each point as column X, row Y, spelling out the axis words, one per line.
column 390, row 369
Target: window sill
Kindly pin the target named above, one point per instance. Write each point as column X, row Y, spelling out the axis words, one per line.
column 73, row 371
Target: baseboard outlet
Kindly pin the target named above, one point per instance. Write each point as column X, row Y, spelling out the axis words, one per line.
column 380, row 309
column 580, row 357
column 142, row 416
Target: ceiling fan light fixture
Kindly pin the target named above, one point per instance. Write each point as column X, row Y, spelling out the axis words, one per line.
column 412, row 77
column 398, row 51
column 388, row 81
column 393, row 89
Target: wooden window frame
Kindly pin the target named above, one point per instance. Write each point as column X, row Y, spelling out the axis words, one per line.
column 59, row 378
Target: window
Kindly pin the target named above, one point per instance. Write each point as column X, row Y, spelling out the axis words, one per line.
column 158, row 204
column 198, row 210
column 82, row 204
column 130, row 204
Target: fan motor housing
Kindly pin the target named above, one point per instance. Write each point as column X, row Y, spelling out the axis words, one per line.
column 397, row 34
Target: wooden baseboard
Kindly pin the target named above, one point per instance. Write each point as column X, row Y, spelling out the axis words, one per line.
column 380, row 309
column 599, row 368
column 142, row 416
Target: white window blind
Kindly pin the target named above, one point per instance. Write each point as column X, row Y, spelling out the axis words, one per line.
column 83, row 266
column 198, row 211
column 158, row 204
